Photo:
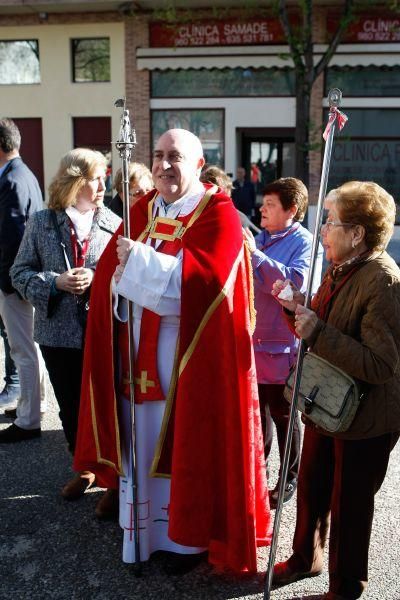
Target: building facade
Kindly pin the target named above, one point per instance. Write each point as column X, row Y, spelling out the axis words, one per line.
column 226, row 76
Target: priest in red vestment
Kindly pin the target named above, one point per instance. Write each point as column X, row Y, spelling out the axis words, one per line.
column 199, row 449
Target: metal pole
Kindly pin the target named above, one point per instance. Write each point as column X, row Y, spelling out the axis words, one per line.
column 125, row 144
column 334, row 98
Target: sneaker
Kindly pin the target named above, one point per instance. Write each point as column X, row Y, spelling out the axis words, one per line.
column 9, row 395
column 290, row 489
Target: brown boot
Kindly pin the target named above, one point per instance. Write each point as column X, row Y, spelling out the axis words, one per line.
column 108, row 505
column 285, row 573
column 75, row 488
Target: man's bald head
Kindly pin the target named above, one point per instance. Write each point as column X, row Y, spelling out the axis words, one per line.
column 177, row 163
column 185, row 138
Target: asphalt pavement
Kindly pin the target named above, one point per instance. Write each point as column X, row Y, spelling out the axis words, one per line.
column 54, row 549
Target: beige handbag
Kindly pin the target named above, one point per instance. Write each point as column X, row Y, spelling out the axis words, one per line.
column 327, row 396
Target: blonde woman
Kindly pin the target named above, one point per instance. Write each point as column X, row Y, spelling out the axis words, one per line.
column 54, row 269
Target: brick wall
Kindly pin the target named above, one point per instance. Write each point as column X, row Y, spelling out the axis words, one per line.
column 60, row 19
column 138, row 86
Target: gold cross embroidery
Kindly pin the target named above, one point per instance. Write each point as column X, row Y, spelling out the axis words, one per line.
column 144, row 382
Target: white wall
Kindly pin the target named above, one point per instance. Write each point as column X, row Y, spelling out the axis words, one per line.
column 239, row 113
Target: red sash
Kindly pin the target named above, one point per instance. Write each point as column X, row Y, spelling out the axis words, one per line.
column 147, row 382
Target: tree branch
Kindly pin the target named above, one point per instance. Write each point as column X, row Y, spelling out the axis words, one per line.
column 347, row 17
column 287, row 29
column 308, row 39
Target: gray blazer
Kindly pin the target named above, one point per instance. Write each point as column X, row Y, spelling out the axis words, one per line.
column 40, row 259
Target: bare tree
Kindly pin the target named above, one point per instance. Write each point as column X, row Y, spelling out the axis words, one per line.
column 301, row 45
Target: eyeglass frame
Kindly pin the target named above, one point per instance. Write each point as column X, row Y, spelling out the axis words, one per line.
column 329, row 224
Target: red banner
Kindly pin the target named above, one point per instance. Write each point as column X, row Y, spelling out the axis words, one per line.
column 231, row 32
column 368, row 28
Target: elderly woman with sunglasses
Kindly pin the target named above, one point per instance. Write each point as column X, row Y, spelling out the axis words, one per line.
column 354, row 323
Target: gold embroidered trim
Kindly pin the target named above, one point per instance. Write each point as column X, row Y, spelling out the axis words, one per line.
column 169, row 237
column 149, row 218
column 250, row 282
column 185, row 359
column 174, row 376
column 211, row 309
column 167, row 413
column 101, row 460
column 151, row 223
column 143, row 382
column 202, row 204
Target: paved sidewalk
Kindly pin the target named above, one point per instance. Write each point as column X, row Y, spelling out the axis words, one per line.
column 53, row 549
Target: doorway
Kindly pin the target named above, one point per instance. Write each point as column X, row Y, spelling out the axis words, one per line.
column 266, row 155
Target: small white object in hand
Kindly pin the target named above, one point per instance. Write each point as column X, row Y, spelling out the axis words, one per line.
column 286, row 293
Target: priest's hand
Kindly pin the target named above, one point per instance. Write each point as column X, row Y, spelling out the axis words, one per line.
column 118, row 273
column 124, row 247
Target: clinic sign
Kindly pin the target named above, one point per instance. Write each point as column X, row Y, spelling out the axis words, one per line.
column 230, row 32
column 369, row 28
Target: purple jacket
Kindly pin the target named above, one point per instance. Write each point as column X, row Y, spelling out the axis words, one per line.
column 283, row 255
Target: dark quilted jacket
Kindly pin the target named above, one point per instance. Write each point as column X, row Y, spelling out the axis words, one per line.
column 362, row 337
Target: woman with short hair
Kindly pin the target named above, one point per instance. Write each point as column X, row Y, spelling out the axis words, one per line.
column 54, row 269
column 353, row 323
column 282, row 249
column 140, row 182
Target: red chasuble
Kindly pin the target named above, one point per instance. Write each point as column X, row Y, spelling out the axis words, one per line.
column 210, row 443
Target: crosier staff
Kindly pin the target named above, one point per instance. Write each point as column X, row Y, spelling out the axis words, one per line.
column 125, row 144
column 335, row 119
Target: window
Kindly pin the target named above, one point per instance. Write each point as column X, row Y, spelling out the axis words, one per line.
column 200, row 83
column 19, row 62
column 208, row 125
column 32, row 145
column 90, row 59
column 94, row 133
column 368, row 149
column 364, row 81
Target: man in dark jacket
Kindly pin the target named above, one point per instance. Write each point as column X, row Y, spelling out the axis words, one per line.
column 20, row 196
column 244, row 194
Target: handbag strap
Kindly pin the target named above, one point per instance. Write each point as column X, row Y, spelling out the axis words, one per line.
column 58, row 233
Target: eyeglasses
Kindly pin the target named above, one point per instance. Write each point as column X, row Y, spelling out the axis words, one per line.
column 329, row 224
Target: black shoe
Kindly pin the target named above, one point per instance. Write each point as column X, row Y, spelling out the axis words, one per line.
column 179, row 564
column 290, row 489
column 17, row 434
column 10, row 413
